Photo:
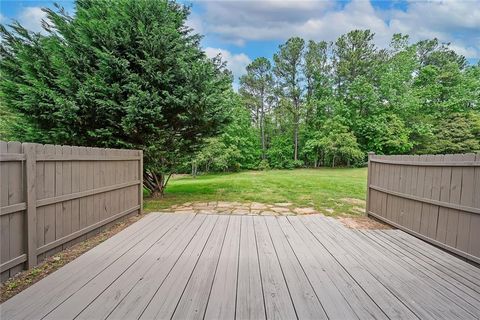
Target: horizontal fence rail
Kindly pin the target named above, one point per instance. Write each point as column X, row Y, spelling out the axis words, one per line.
column 434, row 197
column 52, row 197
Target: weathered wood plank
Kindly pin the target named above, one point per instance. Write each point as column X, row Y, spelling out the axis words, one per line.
column 40, row 194
column 165, row 300
column 16, row 195
column 437, row 257
column 407, row 286
column 278, row 303
column 193, row 303
column 221, row 303
column 250, row 301
column 356, row 299
column 76, row 302
column 453, row 290
column 4, row 219
column 37, row 300
column 304, row 298
column 132, row 292
column 373, row 290
column 49, row 191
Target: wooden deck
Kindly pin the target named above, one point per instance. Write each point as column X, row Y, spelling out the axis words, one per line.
column 184, row 266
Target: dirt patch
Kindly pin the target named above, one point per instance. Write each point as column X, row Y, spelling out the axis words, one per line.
column 353, row 201
column 363, row 223
column 24, row 279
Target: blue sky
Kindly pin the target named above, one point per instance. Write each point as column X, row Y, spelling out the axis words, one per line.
column 244, row 30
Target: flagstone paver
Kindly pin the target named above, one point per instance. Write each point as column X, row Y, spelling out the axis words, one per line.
column 239, row 208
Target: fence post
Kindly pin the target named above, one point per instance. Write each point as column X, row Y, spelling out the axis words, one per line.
column 369, row 171
column 29, row 149
column 140, row 187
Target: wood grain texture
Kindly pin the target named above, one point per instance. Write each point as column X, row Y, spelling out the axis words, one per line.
column 433, row 196
column 49, row 201
column 230, row 267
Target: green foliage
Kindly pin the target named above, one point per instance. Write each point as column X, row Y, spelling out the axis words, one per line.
column 340, row 100
column 236, row 148
column 334, row 145
column 263, row 165
column 128, row 75
column 280, row 152
column 458, row 133
column 256, row 90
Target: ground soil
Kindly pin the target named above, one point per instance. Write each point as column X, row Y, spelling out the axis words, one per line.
column 363, row 223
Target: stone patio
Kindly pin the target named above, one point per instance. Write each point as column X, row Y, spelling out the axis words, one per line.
column 239, row 208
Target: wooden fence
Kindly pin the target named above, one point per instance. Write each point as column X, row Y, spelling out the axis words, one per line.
column 434, row 197
column 52, row 197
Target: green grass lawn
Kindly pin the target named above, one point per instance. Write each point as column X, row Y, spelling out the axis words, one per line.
column 331, row 191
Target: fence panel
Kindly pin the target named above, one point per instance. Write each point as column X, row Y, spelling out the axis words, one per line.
column 52, row 197
column 434, row 197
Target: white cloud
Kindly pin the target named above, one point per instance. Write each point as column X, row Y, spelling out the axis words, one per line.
column 235, row 62
column 452, row 21
column 195, row 22
column 31, row 18
column 3, row 19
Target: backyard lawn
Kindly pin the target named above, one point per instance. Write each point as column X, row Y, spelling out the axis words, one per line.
column 330, row 191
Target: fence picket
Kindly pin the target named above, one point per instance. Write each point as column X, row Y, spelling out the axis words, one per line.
column 34, row 223
column 434, row 197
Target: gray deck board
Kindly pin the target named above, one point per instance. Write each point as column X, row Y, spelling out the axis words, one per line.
column 250, row 301
column 442, row 288
column 437, row 256
column 222, row 300
column 75, row 303
column 152, row 267
column 278, row 303
column 187, row 266
column 193, row 303
column 466, row 294
column 307, row 305
column 409, row 286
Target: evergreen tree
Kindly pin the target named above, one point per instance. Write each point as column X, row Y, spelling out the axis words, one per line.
column 289, row 71
column 256, row 88
column 126, row 74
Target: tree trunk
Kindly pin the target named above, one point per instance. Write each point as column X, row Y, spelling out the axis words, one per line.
column 194, row 169
column 295, row 137
column 156, row 182
column 262, row 126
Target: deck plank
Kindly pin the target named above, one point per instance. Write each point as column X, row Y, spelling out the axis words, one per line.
column 193, row 302
column 187, row 266
column 221, row 303
column 333, row 302
column 409, row 286
column 162, row 305
column 383, row 298
column 38, row 299
column 250, row 302
column 354, row 297
column 455, row 291
column 75, row 303
column 437, row 256
column 303, row 296
column 144, row 275
column 278, row 303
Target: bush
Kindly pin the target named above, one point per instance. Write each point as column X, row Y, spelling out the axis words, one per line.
column 263, row 165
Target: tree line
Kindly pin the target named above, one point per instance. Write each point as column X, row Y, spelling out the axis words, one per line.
column 132, row 74
column 329, row 103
